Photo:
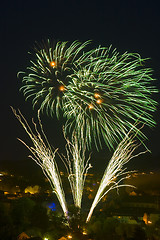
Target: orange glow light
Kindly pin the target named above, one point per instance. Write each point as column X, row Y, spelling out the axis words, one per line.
column 61, row 88
column 99, row 101
column 69, row 236
column 96, row 95
column 52, row 64
column 90, row 106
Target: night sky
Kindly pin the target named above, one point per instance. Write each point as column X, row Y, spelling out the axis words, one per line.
column 132, row 26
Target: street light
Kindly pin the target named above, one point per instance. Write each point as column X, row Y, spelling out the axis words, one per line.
column 69, row 236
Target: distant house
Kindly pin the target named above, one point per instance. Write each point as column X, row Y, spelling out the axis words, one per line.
column 136, row 212
column 23, row 236
column 145, row 202
column 128, row 219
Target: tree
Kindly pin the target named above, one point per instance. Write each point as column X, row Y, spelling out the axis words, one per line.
column 6, row 226
column 39, row 218
column 139, row 234
column 21, row 211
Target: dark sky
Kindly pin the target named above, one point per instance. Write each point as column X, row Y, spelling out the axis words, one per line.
column 132, row 26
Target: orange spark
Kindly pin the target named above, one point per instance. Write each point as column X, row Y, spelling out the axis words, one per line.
column 99, row 101
column 52, row 64
column 90, row 106
column 97, row 95
column 61, row 88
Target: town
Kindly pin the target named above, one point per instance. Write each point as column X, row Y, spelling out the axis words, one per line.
column 22, row 202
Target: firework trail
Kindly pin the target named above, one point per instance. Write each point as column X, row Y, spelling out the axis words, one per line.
column 115, row 172
column 43, row 155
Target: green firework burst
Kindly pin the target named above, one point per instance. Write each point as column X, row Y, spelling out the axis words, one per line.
column 46, row 78
column 108, row 95
column 100, row 92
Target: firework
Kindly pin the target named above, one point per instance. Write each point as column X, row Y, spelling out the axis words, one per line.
column 102, row 95
column 46, row 79
column 115, row 172
column 100, row 90
column 78, row 167
column 43, row 155
column 107, row 95
column 76, row 164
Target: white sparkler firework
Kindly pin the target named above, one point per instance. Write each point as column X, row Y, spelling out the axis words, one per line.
column 115, row 172
column 78, row 167
column 76, row 164
column 44, row 157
